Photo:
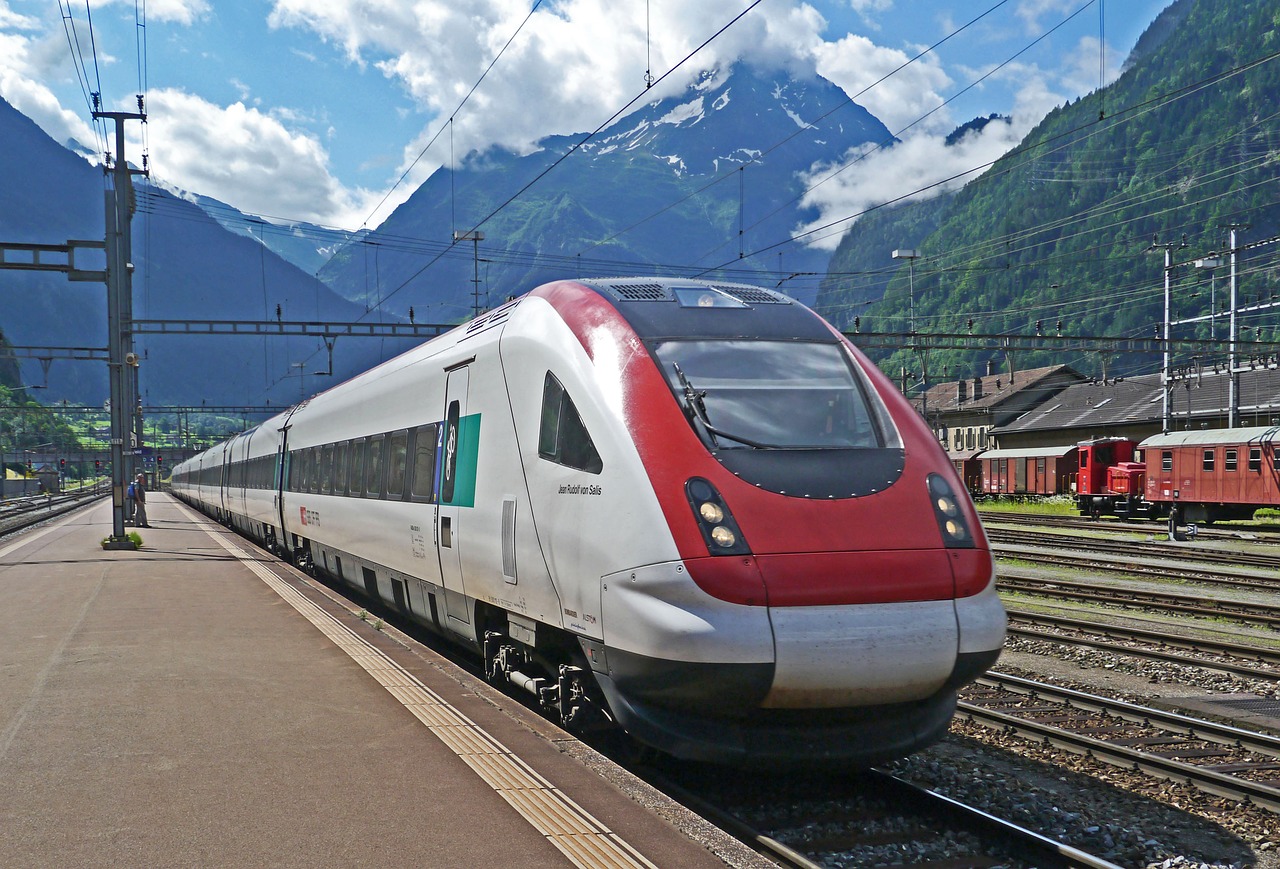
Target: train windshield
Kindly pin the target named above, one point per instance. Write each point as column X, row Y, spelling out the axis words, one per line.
column 744, row 394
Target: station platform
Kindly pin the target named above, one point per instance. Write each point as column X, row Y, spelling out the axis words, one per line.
column 199, row 703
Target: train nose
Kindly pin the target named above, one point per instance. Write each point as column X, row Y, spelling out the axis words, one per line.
column 840, row 656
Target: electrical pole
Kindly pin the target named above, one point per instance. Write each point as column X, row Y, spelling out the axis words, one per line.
column 122, row 362
column 475, row 237
column 1168, row 247
column 1233, row 388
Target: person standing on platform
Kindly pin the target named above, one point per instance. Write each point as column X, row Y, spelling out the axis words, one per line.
column 140, row 503
column 130, row 502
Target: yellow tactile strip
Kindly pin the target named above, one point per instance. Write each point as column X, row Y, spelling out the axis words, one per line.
column 579, row 836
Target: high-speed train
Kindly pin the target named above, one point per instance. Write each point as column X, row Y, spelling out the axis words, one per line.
column 691, row 509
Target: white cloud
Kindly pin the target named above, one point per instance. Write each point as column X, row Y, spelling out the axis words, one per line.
column 26, row 63
column 555, row 76
column 855, row 62
column 246, row 157
column 922, row 166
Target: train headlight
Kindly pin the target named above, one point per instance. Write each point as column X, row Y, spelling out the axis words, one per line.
column 719, row 530
column 711, row 513
column 723, row 536
column 946, row 510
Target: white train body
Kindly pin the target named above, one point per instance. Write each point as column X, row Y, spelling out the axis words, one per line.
column 539, row 476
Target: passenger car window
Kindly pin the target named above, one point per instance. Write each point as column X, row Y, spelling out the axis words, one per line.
column 563, row 438
column 424, row 462
column 373, row 466
column 355, row 477
column 397, row 462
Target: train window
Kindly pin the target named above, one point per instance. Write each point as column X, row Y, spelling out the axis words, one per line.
column 563, row 438
column 373, row 466
column 1275, row 459
column 355, row 477
column 304, row 482
column 1255, row 459
column 1166, row 460
column 315, row 453
column 1208, row 460
column 397, row 462
column 424, row 462
column 743, row 394
column 326, row 470
column 340, row 468
column 1229, row 460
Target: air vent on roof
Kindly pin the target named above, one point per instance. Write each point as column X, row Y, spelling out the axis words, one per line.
column 640, row 292
column 493, row 318
column 752, row 295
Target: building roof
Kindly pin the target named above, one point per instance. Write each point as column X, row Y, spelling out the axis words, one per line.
column 996, row 389
column 1196, row 395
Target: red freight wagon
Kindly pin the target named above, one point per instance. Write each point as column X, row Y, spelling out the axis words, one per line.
column 1031, row 471
column 1215, row 474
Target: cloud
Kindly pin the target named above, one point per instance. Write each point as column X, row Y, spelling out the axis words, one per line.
column 554, row 76
column 920, row 167
column 855, row 62
column 246, row 157
column 27, row 61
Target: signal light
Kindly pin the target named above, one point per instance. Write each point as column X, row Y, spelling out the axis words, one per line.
column 97, row 464
column 159, row 460
column 62, row 464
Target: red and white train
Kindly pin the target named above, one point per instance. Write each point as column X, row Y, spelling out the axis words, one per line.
column 691, row 508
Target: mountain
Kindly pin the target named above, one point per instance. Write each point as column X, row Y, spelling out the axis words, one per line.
column 655, row 192
column 306, row 245
column 1184, row 142
column 186, row 266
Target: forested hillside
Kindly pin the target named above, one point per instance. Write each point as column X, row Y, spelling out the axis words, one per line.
column 1185, row 142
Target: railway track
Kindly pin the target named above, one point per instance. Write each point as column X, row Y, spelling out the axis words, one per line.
column 873, row 818
column 1249, row 612
column 1268, row 532
column 1225, row 657
column 1136, row 550
column 1217, row 759
column 22, row 513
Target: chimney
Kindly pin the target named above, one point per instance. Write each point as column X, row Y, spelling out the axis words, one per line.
column 962, row 391
column 977, row 388
column 991, row 367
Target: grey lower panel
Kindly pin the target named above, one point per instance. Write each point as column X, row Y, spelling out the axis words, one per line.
column 709, row 712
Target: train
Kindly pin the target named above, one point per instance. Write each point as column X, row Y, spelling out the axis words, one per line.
column 687, row 510
column 1189, row 476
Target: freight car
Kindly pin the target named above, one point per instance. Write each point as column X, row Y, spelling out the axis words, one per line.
column 1030, row 471
column 691, row 509
column 1205, row 476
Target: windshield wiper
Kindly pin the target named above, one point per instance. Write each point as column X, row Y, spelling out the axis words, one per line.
column 694, row 402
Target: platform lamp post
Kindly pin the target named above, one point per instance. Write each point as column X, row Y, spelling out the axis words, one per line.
column 911, row 255
column 475, row 237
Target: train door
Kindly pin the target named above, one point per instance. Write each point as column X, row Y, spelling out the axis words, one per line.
column 457, row 467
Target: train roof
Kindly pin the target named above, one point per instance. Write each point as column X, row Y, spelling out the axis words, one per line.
column 1253, row 434
column 662, row 308
column 1054, row 452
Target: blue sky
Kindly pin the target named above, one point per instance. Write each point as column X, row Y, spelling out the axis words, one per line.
column 314, row 109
